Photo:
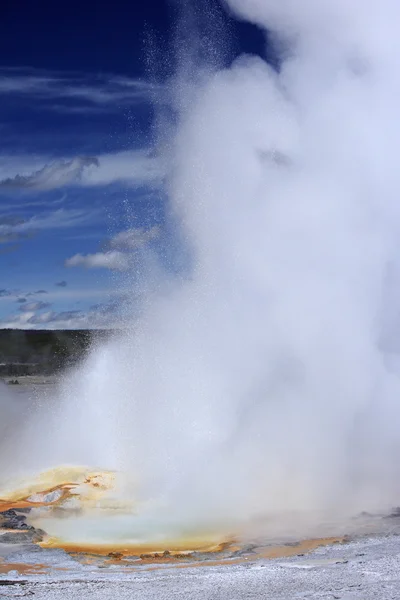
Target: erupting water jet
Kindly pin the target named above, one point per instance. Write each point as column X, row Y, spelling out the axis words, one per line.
column 267, row 381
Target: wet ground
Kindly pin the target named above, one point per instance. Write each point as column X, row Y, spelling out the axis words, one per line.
column 363, row 564
column 364, row 568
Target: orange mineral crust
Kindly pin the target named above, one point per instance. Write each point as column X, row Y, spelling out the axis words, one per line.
column 178, row 548
column 230, row 554
column 63, row 494
column 55, row 487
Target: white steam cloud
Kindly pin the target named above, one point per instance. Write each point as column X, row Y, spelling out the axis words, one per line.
column 270, row 381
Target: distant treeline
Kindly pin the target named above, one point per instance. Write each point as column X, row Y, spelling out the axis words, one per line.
column 43, row 352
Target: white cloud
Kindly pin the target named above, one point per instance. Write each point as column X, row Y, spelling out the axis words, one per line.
column 59, row 219
column 11, row 230
column 51, row 176
column 95, row 318
column 114, row 260
column 73, row 294
column 68, row 294
column 134, row 168
column 120, row 250
column 21, row 164
column 11, row 83
column 107, row 91
column 33, row 306
column 18, row 321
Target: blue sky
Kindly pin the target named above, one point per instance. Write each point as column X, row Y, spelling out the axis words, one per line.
column 81, row 188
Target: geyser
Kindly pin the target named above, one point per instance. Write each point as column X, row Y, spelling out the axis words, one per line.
column 267, row 381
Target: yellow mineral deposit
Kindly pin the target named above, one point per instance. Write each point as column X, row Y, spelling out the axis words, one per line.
column 68, row 491
column 178, row 548
column 79, row 493
column 55, row 487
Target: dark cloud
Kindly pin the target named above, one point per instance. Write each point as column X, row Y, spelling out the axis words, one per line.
column 61, row 284
column 21, row 300
column 4, row 293
column 37, row 293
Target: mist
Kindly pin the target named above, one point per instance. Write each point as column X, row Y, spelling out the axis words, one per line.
column 267, row 381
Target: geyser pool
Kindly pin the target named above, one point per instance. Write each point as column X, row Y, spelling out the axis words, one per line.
column 266, row 381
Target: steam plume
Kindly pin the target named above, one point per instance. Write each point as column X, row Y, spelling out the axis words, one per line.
column 269, row 379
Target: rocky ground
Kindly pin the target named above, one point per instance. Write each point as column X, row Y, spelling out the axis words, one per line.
column 30, row 381
column 366, row 566
column 362, row 567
